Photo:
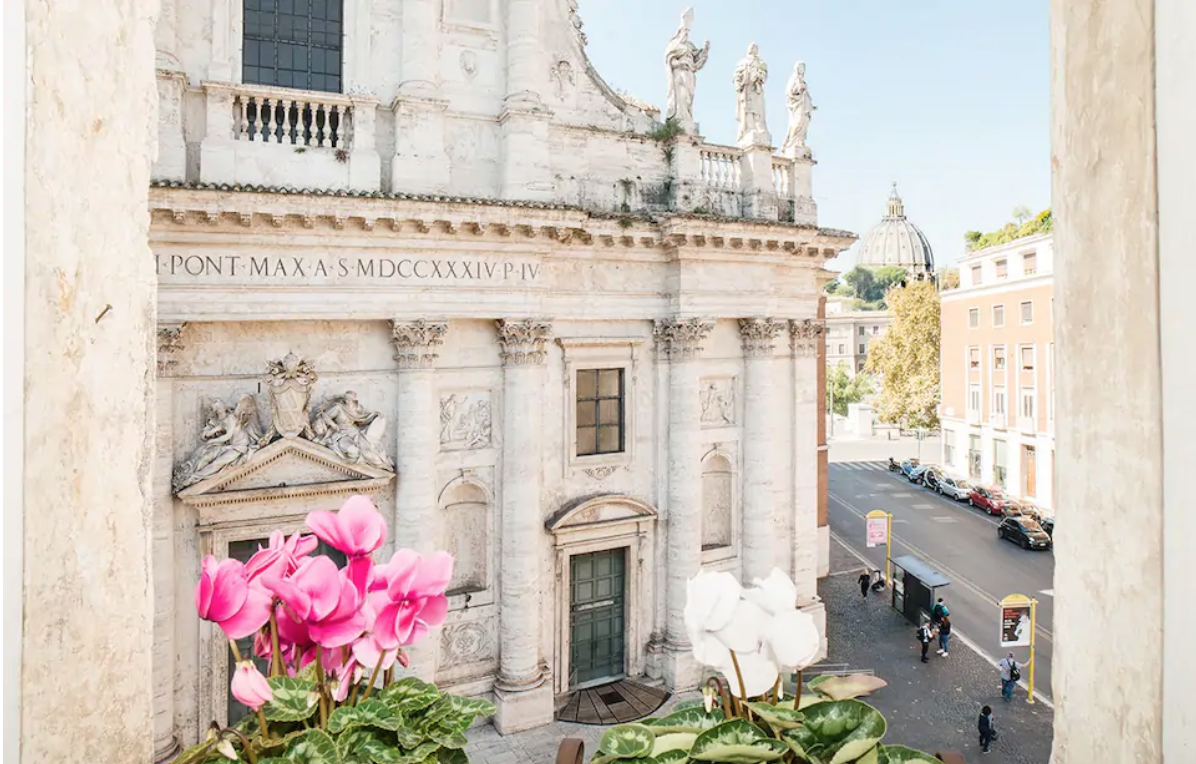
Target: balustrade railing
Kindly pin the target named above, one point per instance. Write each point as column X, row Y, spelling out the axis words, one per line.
column 720, row 167
column 295, row 118
column 782, row 176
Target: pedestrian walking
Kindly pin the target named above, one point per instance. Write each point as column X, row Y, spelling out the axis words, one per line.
column 865, row 581
column 1011, row 672
column 939, row 611
column 988, row 730
column 925, row 637
column 944, row 636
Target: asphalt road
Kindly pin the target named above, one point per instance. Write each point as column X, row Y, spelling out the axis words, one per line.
column 957, row 540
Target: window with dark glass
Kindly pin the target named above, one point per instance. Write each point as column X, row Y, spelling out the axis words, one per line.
column 294, row 44
column 601, row 426
column 243, row 550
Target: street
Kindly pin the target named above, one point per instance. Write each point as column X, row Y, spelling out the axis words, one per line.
column 959, row 541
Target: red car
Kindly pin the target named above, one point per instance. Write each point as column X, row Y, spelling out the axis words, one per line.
column 991, row 500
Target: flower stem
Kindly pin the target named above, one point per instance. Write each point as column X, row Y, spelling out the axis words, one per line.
column 236, row 650
column 321, row 687
column 721, row 686
column 798, row 692
column 374, row 677
column 276, row 667
column 261, row 720
column 776, row 691
column 244, row 742
column 739, row 676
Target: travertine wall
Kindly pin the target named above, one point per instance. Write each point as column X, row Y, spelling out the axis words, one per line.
column 89, row 296
column 1108, row 659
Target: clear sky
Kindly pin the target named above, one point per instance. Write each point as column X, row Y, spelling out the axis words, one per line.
column 949, row 99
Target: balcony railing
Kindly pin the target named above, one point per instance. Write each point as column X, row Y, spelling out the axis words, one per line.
column 295, row 118
column 782, row 176
column 720, row 166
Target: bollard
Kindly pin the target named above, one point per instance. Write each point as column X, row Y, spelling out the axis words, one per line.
column 572, row 751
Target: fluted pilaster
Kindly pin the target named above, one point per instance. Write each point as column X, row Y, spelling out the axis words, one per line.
column 764, row 512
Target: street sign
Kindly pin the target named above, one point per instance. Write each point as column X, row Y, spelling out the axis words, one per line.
column 1016, row 622
column 878, row 531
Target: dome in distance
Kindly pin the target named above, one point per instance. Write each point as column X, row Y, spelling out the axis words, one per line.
column 896, row 241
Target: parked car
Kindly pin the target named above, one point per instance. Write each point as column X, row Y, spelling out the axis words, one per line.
column 908, row 466
column 931, row 477
column 1013, row 509
column 1047, row 522
column 991, row 500
column 954, row 488
column 1024, row 532
column 918, row 473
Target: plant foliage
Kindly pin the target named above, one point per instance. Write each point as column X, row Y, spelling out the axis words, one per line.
column 843, row 389
column 1023, row 225
column 907, row 358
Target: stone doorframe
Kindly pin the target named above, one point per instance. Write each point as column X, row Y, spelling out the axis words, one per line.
column 598, row 524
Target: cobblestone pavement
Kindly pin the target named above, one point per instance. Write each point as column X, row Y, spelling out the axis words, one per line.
column 931, row 707
column 934, row 706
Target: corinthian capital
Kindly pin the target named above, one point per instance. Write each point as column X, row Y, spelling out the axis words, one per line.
column 679, row 339
column 804, row 336
column 759, row 335
column 416, row 342
column 523, row 340
column 170, row 342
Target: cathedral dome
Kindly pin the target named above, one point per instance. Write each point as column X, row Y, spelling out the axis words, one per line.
column 896, row 241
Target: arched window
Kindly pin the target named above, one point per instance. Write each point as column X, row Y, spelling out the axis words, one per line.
column 294, row 44
column 717, row 498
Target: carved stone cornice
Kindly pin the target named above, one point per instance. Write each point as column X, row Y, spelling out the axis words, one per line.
column 759, row 335
column 416, row 342
column 523, row 340
column 804, row 336
column 678, row 339
column 170, row 341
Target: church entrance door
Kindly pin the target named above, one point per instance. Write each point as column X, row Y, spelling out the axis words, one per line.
column 597, row 617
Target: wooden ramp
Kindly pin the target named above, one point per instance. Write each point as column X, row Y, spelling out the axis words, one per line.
column 615, row 703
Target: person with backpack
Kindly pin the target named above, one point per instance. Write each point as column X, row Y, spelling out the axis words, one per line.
column 944, row 636
column 938, row 612
column 1011, row 672
column 865, row 580
column 988, row 730
column 925, row 636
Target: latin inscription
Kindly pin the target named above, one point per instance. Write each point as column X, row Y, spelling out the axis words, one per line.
column 179, row 268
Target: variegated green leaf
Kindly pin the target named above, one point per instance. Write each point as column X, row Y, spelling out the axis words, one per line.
column 294, row 699
column 676, row 741
column 409, row 694
column 681, row 705
column 780, row 717
column 368, row 713
column 451, row 756
column 627, row 741
column 899, row 754
column 365, row 746
column 836, row 732
column 689, row 720
column 315, row 746
column 736, row 742
column 672, row 757
column 418, row 754
column 851, row 686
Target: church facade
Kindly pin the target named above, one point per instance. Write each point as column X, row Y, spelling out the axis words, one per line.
column 434, row 259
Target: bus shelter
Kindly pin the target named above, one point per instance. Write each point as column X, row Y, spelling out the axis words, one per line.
column 915, row 587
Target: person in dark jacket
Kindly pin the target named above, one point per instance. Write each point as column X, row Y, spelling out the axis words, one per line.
column 865, row 580
column 987, row 730
column 944, row 636
column 939, row 611
column 925, row 637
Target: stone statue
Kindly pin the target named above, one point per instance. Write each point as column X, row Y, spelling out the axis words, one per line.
column 290, row 381
column 750, row 76
column 351, row 430
column 682, row 61
column 801, row 109
column 229, row 437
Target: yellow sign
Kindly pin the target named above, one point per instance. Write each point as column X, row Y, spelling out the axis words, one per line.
column 1018, row 629
column 878, row 529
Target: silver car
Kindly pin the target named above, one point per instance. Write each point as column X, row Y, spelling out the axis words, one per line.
column 954, row 488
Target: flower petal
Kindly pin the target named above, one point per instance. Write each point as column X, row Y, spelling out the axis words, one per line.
column 758, row 672
column 793, row 639
column 229, row 590
column 327, row 529
column 434, row 611
column 745, row 629
column 252, row 616
column 775, row 594
column 250, row 687
column 434, row 574
column 402, row 570
column 362, row 525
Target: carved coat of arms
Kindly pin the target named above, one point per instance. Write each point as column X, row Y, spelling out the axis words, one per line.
column 290, row 381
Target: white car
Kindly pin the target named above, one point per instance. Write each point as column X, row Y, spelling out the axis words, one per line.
column 954, row 488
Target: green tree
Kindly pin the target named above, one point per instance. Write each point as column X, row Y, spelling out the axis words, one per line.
column 861, row 281
column 948, row 278
column 883, row 279
column 907, row 357
column 1021, row 214
column 843, row 389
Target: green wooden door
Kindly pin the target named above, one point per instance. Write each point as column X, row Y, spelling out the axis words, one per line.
column 596, row 617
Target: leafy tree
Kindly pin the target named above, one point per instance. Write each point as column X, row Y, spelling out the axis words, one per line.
column 843, row 389
column 1026, row 225
column 949, row 278
column 883, row 278
column 860, row 280
column 1021, row 214
column 907, row 357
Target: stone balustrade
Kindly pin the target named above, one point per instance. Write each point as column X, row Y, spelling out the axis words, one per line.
column 292, row 117
column 720, row 166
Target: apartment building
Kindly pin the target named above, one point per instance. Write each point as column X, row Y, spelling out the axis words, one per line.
column 850, row 333
column 997, row 370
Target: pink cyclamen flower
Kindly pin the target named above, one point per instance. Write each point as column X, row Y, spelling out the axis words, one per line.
column 225, row 597
column 281, row 557
column 413, row 600
column 250, row 687
column 357, row 529
column 322, row 601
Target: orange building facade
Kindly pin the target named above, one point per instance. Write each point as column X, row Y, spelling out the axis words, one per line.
column 997, row 370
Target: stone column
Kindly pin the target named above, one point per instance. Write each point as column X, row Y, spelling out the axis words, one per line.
column 416, row 522
column 677, row 341
column 805, row 338
column 763, row 511
column 526, row 167
column 525, row 72
column 166, row 739
column 171, row 161
column 419, row 164
column 524, row 696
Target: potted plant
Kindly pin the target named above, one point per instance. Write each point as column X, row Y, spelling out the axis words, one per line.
column 750, row 637
column 332, row 636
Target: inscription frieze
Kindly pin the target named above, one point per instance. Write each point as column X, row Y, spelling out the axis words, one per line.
column 338, row 269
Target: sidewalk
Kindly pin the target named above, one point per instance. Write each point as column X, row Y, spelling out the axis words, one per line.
column 932, row 706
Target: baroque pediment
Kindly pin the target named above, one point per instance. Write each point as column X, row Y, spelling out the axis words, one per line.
column 290, row 467
column 605, row 509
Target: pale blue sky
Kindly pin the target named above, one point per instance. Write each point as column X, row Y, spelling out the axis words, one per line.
column 949, row 99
